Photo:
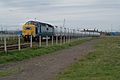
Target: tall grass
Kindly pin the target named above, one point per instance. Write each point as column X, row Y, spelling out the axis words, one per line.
column 103, row 64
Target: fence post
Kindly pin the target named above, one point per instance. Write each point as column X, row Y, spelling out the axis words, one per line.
column 8, row 38
column 19, row 46
column 64, row 35
column 61, row 33
column 52, row 40
column 69, row 37
column 84, row 34
column 46, row 40
column 56, row 39
column 31, row 45
column 5, row 44
column 61, row 40
column 40, row 41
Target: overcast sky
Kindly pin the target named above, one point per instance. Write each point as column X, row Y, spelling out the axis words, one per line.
column 100, row 14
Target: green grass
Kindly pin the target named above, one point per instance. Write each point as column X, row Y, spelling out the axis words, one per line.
column 102, row 64
column 11, row 41
column 30, row 53
column 9, row 72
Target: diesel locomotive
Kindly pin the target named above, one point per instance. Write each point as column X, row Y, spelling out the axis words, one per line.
column 36, row 29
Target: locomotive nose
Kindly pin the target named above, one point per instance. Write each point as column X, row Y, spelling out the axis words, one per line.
column 29, row 33
column 28, row 30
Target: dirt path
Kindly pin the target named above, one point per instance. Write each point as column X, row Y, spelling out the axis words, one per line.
column 48, row 66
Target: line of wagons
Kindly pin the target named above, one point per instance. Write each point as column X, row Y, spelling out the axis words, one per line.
column 36, row 29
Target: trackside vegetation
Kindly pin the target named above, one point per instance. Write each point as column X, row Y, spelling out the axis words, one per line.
column 4, row 73
column 33, row 52
column 102, row 64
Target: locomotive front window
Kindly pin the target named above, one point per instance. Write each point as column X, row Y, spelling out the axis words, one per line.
column 28, row 28
column 30, row 23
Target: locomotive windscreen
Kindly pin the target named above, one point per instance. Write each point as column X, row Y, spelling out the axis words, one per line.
column 28, row 28
column 31, row 23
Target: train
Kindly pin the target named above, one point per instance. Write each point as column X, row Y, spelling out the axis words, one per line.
column 36, row 29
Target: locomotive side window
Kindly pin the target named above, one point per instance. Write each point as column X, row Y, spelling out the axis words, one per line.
column 47, row 29
column 43, row 28
column 50, row 28
column 37, row 27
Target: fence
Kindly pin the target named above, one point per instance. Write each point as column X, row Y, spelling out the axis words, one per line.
column 13, row 42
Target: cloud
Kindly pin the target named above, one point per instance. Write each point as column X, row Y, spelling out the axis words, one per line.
column 76, row 12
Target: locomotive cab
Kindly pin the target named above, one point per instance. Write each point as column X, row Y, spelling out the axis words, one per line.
column 29, row 29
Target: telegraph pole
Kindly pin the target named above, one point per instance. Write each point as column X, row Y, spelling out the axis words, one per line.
column 64, row 31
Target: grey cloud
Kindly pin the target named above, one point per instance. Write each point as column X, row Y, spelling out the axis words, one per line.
column 76, row 13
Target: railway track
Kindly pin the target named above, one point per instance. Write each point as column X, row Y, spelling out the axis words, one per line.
column 11, row 46
column 15, row 47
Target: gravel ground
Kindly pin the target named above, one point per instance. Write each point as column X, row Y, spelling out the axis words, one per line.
column 48, row 66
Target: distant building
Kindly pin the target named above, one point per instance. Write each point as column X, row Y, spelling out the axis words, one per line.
column 115, row 33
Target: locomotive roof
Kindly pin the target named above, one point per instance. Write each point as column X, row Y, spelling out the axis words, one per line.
column 42, row 23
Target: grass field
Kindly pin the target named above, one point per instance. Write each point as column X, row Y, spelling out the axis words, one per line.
column 33, row 52
column 103, row 64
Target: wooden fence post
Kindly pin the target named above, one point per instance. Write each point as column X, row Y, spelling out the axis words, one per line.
column 5, row 44
column 61, row 40
column 19, row 46
column 61, row 33
column 40, row 39
column 31, row 45
column 56, row 39
column 64, row 39
column 52, row 40
column 46, row 40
